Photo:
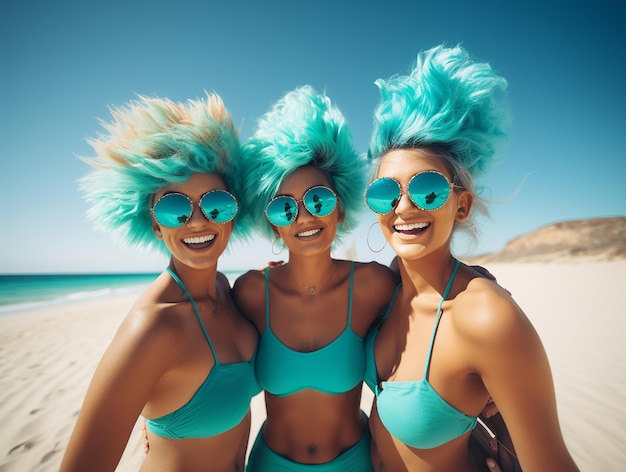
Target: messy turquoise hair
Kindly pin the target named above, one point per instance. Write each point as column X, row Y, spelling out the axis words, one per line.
column 152, row 143
column 450, row 104
column 448, row 101
column 302, row 129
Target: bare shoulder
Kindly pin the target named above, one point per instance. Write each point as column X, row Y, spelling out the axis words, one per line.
column 149, row 339
column 250, row 277
column 248, row 294
column 485, row 312
column 489, row 325
column 248, row 285
column 154, row 321
column 375, row 275
column 222, row 280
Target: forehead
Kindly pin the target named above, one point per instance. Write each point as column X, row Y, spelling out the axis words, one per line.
column 302, row 179
column 402, row 164
column 196, row 186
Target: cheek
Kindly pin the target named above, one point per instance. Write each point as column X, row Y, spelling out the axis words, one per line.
column 334, row 218
column 228, row 230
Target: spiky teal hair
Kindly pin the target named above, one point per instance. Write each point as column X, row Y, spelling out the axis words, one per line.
column 152, row 143
column 302, row 129
column 449, row 102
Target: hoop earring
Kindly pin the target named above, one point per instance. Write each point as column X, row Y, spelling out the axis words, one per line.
column 282, row 246
column 367, row 239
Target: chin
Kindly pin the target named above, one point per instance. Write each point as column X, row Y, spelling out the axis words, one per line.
column 407, row 250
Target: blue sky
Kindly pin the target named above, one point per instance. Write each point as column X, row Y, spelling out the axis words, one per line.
column 64, row 63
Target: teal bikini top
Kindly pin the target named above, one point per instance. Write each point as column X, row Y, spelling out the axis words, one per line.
column 219, row 404
column 335, row 368
column 413, row 411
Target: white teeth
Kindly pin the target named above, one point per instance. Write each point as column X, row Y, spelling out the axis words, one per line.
column 311, row 232
column 199, row 239
column 411, row 226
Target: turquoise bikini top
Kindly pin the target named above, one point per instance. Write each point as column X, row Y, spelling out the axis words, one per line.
column 413, row 411
column 219, row 404
column 335, row 368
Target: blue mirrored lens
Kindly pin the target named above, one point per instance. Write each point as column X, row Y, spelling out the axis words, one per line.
column 172, row 210
column 429, row 190
column 320, row 201
column 282, row 211
column 382, row 195
column 219, row 206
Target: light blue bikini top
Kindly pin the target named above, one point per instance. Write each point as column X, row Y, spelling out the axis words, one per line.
column 413, row 411
column 219, row 404
column 336, row 368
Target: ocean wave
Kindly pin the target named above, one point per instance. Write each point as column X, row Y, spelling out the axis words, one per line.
column 73, row 297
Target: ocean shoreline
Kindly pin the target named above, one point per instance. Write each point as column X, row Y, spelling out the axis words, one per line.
column 21, row 293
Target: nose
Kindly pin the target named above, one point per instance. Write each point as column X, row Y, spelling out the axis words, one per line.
column 303, row 213
column 197, row 215
column 405, row 204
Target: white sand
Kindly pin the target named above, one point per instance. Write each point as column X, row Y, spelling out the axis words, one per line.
column 47, row 358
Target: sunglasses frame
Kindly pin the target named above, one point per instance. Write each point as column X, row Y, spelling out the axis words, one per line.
column 450, row 185
column 193, row 207
column 297, row 205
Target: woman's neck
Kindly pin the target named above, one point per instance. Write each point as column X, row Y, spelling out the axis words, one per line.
column 311, row 274
column 426, row 275
column 200, row 283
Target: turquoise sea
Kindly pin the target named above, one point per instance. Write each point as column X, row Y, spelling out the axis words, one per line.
column 26, row 292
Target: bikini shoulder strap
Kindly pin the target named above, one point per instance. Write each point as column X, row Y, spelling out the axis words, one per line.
column 438, row 318
column 195, row 309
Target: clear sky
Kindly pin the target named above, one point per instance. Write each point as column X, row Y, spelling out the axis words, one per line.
column 63, row 63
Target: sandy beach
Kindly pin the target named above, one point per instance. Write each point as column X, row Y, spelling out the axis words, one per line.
column 47, row 358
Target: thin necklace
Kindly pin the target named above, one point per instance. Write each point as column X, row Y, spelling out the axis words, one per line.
column 311, row 288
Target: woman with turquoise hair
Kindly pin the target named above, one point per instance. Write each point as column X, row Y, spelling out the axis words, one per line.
column 164, row 178
column 450, row 338
column 304, row 184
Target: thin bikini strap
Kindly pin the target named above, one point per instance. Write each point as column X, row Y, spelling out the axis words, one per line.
column 439, row 313
column 195, row 308
column 350, row 296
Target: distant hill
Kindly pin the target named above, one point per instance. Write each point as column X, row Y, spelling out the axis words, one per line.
column 592, row 240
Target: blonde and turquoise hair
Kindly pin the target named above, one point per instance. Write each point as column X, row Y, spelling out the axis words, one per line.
column 149, row 144
column 452, row 105
column 302, row 129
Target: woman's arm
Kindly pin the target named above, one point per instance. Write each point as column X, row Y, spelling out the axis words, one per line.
column 119, row 389
column 514, row 368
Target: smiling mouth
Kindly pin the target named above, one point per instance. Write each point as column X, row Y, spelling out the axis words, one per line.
column 309, row 233
column 413, row 228
column 199, row 242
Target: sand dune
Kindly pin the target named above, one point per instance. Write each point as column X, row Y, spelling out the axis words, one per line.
column 572, row 242
column 47, row 358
